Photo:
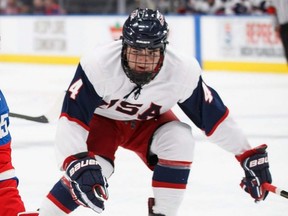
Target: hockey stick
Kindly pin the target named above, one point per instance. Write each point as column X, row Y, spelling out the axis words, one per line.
column 51, row 115
column 40, row 119
column 276, row 190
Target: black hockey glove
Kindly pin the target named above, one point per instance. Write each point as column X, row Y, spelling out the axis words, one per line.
column 88, row 186
column 256, row 167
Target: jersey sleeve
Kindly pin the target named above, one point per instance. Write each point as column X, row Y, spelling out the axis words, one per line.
column 205, row 108
column 208, row 112
column 79, row 104
column 81, row 99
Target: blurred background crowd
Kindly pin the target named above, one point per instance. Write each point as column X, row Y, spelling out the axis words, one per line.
column 54, row 7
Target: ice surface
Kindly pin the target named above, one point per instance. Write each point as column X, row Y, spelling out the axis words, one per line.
column 258, row 102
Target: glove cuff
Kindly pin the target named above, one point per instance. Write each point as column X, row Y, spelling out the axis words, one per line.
column 77, row 156
column 257, row 150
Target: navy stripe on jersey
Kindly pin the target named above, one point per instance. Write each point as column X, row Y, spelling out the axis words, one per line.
column 205, row 108
column 170, row 177
column 81, row 101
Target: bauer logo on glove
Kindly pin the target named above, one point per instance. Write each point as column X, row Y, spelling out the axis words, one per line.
column 81, row 164
column 257, row 162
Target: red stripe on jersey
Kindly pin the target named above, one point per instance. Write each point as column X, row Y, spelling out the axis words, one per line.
column 219, row 122
column 174, row 163
column 58, row 204
column 168, row 185
column 75, row 120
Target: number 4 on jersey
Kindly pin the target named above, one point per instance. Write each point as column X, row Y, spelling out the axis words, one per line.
column 75, row 88
column 207, row 93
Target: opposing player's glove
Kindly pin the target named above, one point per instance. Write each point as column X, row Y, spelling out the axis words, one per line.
column 256, row 168
column 88, row 186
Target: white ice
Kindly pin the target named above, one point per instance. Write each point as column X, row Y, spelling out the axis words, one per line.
column 259, row 103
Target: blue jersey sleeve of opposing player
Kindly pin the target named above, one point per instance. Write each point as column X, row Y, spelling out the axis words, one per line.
column 81, row 99
column 5, row 137
column 205, row 108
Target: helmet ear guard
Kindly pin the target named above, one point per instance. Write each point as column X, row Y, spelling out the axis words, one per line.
column 144, row 29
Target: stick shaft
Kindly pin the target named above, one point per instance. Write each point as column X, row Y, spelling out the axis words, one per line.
column 40, row 119
column 276, row 190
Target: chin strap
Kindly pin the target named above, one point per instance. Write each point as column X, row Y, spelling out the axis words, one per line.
column 137, row 91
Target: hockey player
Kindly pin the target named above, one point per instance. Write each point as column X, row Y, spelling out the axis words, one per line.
column 10, row 201
column 121, row 95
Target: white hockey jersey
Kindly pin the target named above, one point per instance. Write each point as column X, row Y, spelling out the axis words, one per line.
column 100, row 86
